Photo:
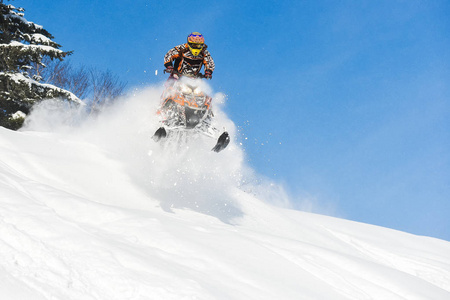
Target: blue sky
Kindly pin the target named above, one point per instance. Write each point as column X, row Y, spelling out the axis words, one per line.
column 346, row 103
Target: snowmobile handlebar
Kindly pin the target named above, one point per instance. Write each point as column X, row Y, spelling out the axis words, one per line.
column 173, row 72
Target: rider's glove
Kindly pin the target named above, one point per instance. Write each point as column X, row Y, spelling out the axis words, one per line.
column 169, row 69
column 208, row 74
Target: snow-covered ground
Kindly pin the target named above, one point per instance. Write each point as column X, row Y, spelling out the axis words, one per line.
column 99, row 211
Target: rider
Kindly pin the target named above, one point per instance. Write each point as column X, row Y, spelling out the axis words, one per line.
column 190, row 57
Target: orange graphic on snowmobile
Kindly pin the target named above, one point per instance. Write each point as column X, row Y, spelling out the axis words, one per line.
column 171, row 95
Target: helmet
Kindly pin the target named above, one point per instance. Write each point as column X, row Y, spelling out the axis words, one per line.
column 196, row 41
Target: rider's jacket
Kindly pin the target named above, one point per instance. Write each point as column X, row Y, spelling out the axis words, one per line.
column 186, row 63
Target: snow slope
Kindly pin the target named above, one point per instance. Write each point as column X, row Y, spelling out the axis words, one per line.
column 101, row 212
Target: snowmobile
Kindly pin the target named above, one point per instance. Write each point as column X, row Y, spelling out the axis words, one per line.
column 186, row 111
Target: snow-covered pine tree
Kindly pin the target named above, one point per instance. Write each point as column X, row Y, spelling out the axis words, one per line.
column 23, row 45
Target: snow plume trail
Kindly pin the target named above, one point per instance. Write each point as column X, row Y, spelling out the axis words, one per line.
column 192, row 178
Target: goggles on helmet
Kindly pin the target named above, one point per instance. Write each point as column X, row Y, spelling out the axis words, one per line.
column 196, row 46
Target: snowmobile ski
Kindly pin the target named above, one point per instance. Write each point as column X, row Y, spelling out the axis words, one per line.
column 159, row 134
column 222, row 142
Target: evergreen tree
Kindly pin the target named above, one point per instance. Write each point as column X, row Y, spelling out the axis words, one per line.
column 23, row 45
